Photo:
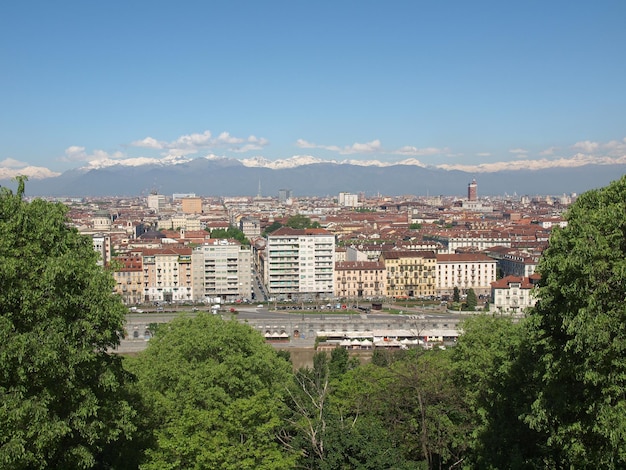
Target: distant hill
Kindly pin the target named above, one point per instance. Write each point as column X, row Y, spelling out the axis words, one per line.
column 231, row 178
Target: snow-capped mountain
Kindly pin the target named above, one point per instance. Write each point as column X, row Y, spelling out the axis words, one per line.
column 307, row 176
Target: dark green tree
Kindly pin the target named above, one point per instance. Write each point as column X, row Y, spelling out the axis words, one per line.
column 63, row 399
column 456, row 295
column 338, row 364
column 471, row 301
column 272, row 228
column 214, row 389
column 230, row 233
column 492, row 365
column 299, row 221
column 578, row 334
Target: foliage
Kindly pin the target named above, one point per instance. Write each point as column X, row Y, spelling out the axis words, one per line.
column 428, row 406
column 456, row 295
column 491, row 365
column 300, row 221
column 415, row 226
column 63, row 399
column 578, row 334
column 471, row 301
column 272, row 228
column 213, row 389
column 230, row 233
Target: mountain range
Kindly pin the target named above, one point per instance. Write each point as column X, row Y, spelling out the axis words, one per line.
column 231, row 177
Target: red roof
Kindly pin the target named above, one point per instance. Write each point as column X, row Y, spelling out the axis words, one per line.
column 505, row 282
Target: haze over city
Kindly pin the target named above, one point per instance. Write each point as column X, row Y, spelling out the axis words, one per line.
column 477, row 87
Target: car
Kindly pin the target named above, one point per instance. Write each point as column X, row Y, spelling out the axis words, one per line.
column 259, row 306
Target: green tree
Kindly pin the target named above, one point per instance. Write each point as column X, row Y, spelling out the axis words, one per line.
column 272, row 228
column 491, row 364
column 230, row 233
column 63, row 399
column 298, row 221
column 339, row 363
column 214, row 390
column 578, row 334
column 471, row 301
column 337, row 430
column 456, row 295
column 429, row 407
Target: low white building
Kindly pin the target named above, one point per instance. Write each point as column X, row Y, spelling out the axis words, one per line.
column 513, row 295
column 465, row 271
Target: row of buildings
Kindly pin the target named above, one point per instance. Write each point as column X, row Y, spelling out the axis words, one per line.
column 302, row 265
column 364, row 248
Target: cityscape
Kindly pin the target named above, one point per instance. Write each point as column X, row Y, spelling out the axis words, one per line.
column 352, row 250
column 313, row 235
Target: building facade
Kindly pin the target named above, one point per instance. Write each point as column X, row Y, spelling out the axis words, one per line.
column 191, row 205
column 250, row 226
column 360, row 279
column 465, row 271
column 410, row 274
column 299, row 263
column 513, row 295
column 128, row 275
column 167, row 274
column 221, row 269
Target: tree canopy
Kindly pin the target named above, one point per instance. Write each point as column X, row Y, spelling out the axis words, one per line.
column 578, row 334
column 62, row 394
column 213, row 389
column 297, row 221
column 230, row 232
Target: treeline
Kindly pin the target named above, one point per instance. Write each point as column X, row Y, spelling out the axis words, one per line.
column 546, row 392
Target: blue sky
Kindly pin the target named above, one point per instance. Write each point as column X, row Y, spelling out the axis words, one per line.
column 476, row 85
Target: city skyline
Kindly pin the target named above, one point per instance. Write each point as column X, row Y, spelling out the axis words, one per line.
column 472, row 87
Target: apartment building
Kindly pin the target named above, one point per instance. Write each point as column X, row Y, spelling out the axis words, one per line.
column 128, row 275
column 221, row 268
column 465, row 271
column 360, row 279
column 479, row 241
column 191, row 205
column 410, row 273
column 250, row 226
column 102, row 245
column 513, row 295
column 167, row 274
column 299, row 263
column 181, row 221
column 518, row 264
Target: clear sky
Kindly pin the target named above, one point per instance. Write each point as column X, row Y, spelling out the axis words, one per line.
column 475, row 85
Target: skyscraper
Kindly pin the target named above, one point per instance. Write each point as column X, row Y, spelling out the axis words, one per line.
column 284, row 194
column 472, row 191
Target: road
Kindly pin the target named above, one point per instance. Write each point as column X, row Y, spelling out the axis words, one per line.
column 301, row 327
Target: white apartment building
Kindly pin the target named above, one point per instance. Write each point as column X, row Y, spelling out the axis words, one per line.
column 300, row 263
column 156, row 202
column 102, row 245
column 465, row 271
column 348, row 200
column 478, row 241
column 222, row 268
column 513, row 295
column 181, row 221
column 167, row 274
